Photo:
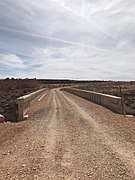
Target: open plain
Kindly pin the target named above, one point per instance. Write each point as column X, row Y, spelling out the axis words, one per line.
column 67, row 137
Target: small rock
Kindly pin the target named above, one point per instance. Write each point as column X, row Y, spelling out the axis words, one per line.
column 34, row 168
column 129, row 116
column 35, row 177
column 42, row 146
column 23, row 165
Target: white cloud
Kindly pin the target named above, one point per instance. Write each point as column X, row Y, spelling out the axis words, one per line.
column 11, row 61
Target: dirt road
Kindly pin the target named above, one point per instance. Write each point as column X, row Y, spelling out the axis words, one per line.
column 67, row 137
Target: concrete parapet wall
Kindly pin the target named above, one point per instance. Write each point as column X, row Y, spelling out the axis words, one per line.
column 26, row 101
column 111, row 102
column 2, row 119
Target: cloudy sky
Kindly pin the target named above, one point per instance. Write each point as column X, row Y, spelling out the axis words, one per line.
column 70, row 39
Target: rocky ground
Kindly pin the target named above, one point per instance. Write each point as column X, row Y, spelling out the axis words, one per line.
column 67, row 137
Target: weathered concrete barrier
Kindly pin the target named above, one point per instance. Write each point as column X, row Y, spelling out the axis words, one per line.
column 113, row 103
column 26, row 101
column 2, row 119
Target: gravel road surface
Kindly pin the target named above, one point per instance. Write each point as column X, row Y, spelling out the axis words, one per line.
column 67, row 137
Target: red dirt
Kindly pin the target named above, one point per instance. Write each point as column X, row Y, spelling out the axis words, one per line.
column 67, row 137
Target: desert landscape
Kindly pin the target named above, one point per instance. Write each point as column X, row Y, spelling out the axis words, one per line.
column 11, row 89
column 67, row 90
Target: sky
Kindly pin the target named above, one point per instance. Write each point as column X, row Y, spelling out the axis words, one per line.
column 67, row 39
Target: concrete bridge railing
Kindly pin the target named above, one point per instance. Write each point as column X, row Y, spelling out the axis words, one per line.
column 113, row 103
column 2, row 119
column 26, row 101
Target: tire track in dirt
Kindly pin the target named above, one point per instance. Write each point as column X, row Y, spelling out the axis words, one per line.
column 50, row 140
column 56, row 153
column 63, row 155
